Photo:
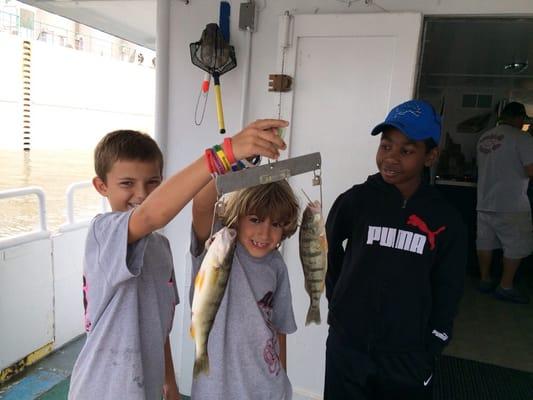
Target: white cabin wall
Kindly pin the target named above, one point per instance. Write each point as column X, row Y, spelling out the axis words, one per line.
column 186, row 142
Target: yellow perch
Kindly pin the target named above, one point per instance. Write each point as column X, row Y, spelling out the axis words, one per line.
column 209, row 288
column 313, row 255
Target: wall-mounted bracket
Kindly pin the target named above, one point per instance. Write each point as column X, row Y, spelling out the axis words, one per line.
column 279, row 83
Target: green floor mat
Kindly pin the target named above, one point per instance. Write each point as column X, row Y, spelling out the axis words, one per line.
column 459, row 379
column 58, row 392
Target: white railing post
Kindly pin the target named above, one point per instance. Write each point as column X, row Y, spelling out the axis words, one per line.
column 28, row 236
column 71, row 223
column 39, row 192
column 70, row 198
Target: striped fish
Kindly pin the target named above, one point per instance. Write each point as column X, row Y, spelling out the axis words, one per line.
column 313, row 255
column 209, row 288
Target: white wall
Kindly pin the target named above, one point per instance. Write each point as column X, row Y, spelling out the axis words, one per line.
column 187, row 141
column 26, row 309
column 68, row 248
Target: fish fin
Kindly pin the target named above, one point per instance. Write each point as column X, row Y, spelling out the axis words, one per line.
column 198, row 282
column 313, row 315
column 201, row 364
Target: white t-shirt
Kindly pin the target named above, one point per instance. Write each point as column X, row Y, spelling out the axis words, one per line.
column 129, row 296
column 243, row 347
column 502, row 154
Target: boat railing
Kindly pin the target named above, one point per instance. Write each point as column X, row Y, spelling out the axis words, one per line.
column 42, row 232
column 48, row 269
column 71, row 223
column 26, row 291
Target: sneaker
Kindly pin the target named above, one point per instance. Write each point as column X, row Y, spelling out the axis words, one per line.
column 512, row 295
column 486, row 286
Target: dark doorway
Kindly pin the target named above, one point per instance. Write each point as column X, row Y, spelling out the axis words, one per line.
column 470, row 68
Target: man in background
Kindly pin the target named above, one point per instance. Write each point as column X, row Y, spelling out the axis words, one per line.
column 505, row 164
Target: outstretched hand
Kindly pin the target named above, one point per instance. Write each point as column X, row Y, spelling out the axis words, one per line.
column 259, row 138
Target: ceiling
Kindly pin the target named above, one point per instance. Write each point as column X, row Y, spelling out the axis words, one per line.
column 133, row 20
column 474, row 51
column 456, row 51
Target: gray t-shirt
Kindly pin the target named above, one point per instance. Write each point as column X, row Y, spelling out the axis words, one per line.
column 129, row 296
column 502, row 153
column 243, row 347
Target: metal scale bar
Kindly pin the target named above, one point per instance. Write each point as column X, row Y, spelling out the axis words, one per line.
column 272, row 172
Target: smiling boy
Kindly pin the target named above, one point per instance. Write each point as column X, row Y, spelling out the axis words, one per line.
column 128, row 276
column 396, row 261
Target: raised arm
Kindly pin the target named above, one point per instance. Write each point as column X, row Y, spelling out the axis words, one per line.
column 165, row 202
column 202, row 211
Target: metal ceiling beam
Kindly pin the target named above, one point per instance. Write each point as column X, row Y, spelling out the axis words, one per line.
column 134, row 21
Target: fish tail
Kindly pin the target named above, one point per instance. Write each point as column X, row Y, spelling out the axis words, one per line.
column 201, row 364
column 313, row 315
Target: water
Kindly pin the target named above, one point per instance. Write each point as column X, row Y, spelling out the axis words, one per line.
column 53, row 171
column 76, row 97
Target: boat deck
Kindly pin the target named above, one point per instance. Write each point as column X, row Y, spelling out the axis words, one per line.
column 490, row 357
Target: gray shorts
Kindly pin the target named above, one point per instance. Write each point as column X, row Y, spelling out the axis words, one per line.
column 512, row 232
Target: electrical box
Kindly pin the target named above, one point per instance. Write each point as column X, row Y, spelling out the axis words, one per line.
column 247, row 16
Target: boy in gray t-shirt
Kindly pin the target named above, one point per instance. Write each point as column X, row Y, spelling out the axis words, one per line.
column 247, row 345
column 129, row 286
column 130, row 294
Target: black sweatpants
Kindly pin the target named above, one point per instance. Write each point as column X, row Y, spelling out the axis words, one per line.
column 357, row 375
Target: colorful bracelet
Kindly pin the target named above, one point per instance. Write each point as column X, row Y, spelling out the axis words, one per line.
column 227, row 145
column 219, row 162
column 213, row 165
column 222, row 157
column 208, row 156
column 219, row 166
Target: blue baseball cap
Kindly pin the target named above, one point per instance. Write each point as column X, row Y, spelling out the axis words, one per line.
column 416, row 119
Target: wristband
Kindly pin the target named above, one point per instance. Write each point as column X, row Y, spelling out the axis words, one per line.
column 227, row 145
column 207, row 156
column 222, row 157
column 219, row 167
